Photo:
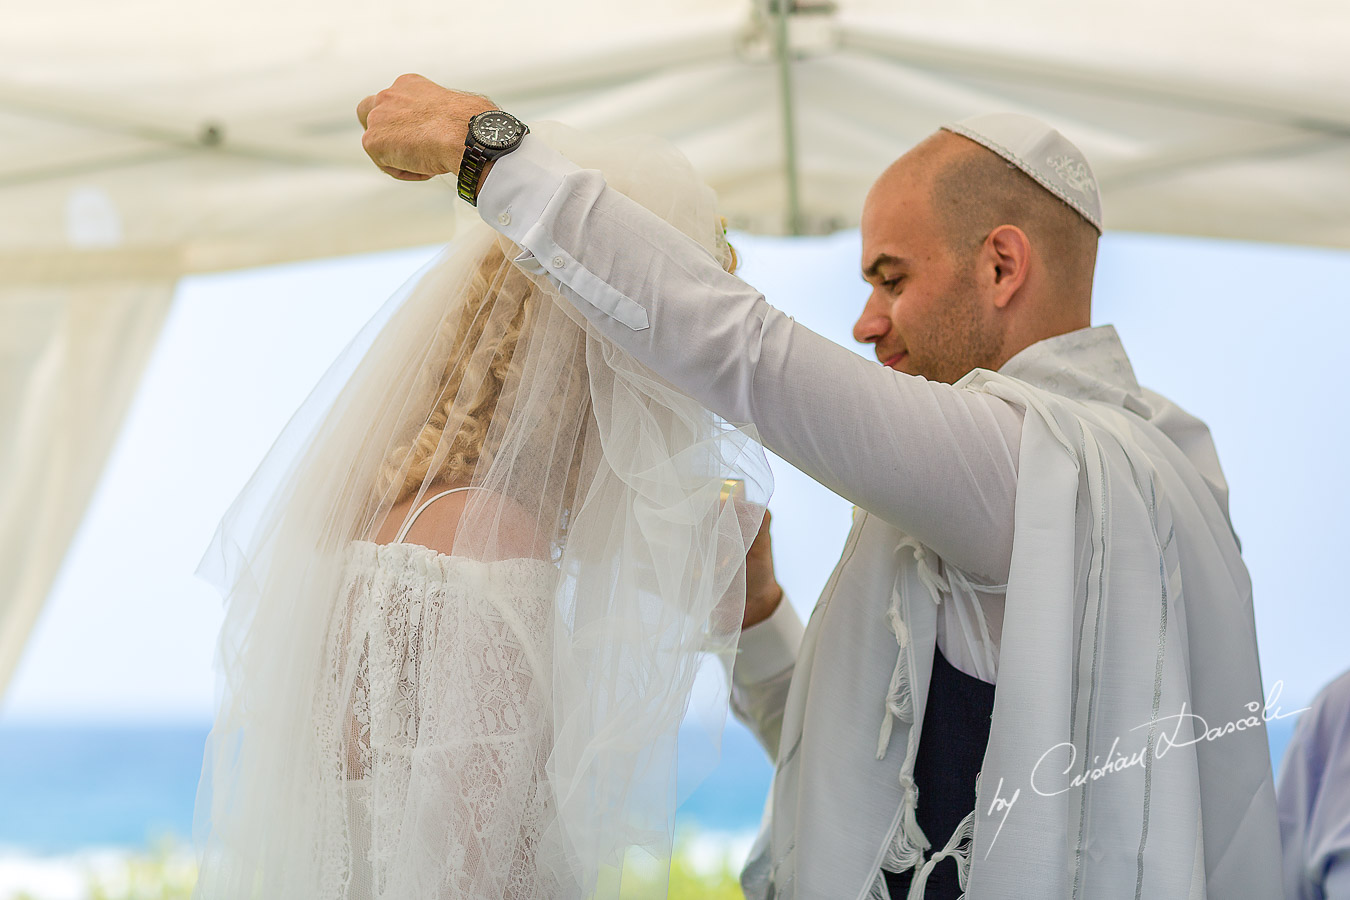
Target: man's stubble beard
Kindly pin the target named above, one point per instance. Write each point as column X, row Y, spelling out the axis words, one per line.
column 960, row 339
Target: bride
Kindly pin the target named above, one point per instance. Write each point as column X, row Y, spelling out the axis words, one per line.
column 467, row 592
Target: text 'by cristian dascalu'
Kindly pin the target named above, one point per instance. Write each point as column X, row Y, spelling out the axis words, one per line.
column 1051, row 774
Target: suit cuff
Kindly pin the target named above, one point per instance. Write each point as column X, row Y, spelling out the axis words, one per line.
column 523, row 197
column 520, row 185
column 770, row 647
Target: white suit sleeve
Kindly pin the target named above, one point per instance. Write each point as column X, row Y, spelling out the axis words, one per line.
column 937, row 462
column 765, row 661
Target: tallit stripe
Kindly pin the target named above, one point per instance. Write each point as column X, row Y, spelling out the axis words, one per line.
column 1157, row 680
column 1094, row 463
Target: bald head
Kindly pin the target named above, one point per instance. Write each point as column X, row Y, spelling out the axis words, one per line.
column 974, row 190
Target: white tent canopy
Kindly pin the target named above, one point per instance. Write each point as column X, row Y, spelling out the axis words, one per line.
column 145, row 140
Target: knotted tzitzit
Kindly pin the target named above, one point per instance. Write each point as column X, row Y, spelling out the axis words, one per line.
column 910, row 842
column 899, row 699
column 907, row 850
column 958, row 846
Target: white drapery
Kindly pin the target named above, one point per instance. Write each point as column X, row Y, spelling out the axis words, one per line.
column 72, row 356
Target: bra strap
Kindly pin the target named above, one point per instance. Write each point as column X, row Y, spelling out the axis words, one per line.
column 403, row 532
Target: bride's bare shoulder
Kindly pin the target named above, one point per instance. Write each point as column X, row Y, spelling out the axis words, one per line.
column 439, row 526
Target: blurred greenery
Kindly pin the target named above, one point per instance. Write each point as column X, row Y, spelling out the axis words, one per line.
column 167, row 872
column 689, row 880
column 687, row 883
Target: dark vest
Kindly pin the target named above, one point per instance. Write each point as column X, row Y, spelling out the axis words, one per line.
column 951, row 751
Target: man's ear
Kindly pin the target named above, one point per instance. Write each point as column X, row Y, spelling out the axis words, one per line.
column 1008, row 251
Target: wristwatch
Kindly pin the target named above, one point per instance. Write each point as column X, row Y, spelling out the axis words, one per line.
column 491, row 134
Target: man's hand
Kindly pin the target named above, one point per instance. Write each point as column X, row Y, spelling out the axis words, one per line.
column 415, row 129
column 762, row 591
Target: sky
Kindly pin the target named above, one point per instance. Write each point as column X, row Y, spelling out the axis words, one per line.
column 1246, row 336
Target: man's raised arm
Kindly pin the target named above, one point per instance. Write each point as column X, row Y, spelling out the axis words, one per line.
column 936, row 461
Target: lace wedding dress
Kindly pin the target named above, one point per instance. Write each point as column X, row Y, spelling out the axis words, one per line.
column 435, row 725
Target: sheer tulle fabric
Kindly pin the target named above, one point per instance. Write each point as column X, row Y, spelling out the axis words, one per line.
column 490, row 708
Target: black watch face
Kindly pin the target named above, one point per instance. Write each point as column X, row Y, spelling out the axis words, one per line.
column 497, row 130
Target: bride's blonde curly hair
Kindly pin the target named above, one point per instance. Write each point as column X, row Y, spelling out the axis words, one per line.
column 474, row 351
column 488, row 370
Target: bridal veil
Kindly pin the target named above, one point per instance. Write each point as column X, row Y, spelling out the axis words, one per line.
column 632, row 506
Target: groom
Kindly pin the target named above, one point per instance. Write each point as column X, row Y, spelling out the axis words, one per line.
column 1028, row 517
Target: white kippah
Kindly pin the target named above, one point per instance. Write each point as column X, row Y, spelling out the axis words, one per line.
column 1041, row 152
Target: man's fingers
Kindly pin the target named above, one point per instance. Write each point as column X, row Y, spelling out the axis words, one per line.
column 363, row 109
column 762, row 538
column 403, row 174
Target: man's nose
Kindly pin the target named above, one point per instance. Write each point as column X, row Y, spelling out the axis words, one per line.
column 873, row 324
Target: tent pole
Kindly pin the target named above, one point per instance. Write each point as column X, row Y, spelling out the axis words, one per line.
column 794, row 216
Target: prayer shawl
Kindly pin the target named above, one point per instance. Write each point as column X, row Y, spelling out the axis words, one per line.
column 1127, row 755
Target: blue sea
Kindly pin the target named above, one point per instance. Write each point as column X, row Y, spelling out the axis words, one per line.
column 66, row 787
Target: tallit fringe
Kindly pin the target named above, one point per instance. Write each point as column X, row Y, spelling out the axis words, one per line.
column 906, row 850
column 936, row 584
column 959, row 846
column 907, row 847
column 900, row 695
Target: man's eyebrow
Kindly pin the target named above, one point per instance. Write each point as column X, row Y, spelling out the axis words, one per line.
column 884, row 259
